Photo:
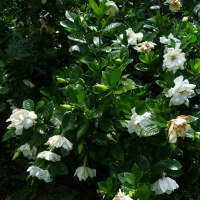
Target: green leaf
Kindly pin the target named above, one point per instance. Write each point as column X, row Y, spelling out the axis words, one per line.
column 193, row 38
column 141, row 67
column 159, row 121
column 137, row 173
column 111, row 26
column 142, row 58
column 117, row 152
column 68, row 121
column 192, row 118
column 149, row 130
column 82, row 130
column 174, row 164
column 99, row 139
column 4, row 90
column 48, row 111
column 142, row 163
column 143, row 191
column 76, row 38
column 130, row 178
column 124, row 53
column 60, row 168
column 161, row 83
column 114, row 77
column 39, row 109
column 107, row 125
column 8, row 135
column 150, row 104
column 68, row 24
column 169, row 78
column 69, row 16
column 28, row 105
column 2, row 64
column 95, row 7
column 109, row 184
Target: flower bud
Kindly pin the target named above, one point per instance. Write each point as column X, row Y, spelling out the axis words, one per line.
column 68, row 107
column 185, row 19
column 16, row 155
column 61, row 80
column 101, row 87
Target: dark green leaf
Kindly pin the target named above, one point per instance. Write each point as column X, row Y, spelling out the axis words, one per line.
column 28, row 105
column 130, row 178
column 68, row 121
column 82, row 130
column 8, row 135
column 48, row 111
column 39, row 109
column 159, row 121
column 111, row 26
column 149, row 130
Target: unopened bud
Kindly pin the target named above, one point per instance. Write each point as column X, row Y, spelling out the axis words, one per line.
column 101, row 87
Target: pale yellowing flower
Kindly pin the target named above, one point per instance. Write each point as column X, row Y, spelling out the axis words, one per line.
column 177, row 128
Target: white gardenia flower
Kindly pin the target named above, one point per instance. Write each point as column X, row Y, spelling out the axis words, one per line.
column 177, row 128
column 41, row 174
column 131, row 37
column 139, row 36
column 180, row 92
column 145, row 46
column 27, row 151
column 20, row 119
column 121, row 196
column 174, row 59
column 114, row 8
column 137, row 122
column 28, row 83
column 59, row 141
column 164, row 185
column 164, row 40
column 84, row 172
column 50, row 156
column 74, row 48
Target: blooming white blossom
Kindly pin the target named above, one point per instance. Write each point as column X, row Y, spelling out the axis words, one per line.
column 59, row 141
column 48, row 155
column 20, row 119
column 177, row 128
column 174, row 59
column 131, row 37
column 145, row 46
column 27, row 151
column 137, row 122
column 121, row 196
column 164, row 40
column 139, row 36
column 180, row 92
column 83, row 172
column 28, row 83
column 164, row 185
column 74, row 48
column 113, row 9
column 41, row 174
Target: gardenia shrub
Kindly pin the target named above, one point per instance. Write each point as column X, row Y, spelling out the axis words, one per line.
column 111, row 103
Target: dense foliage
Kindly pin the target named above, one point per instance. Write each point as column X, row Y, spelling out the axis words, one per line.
column 97, row 96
